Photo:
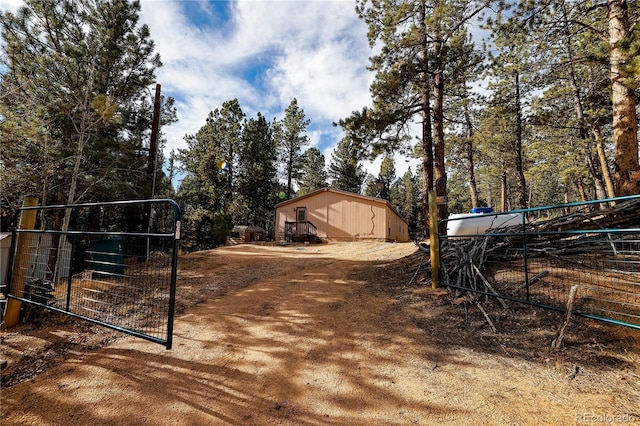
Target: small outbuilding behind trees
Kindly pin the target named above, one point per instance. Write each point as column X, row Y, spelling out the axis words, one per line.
column 333, row 215
column 242, row 234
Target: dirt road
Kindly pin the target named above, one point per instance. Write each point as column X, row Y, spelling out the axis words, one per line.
column 334, row 335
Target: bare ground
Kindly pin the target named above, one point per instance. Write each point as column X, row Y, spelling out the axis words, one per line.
column 321, row 335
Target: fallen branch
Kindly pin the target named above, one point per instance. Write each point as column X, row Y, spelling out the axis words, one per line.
column 533, row 280
column 417, row 270
column 486, row 283
column 486, row 316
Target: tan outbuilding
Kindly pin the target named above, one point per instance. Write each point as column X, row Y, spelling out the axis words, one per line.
column 332, row 215
column 241, row 234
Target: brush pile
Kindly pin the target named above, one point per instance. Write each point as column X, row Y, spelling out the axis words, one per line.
column 463, row 260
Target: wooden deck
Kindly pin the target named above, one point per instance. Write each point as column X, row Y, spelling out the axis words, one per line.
column 304, row 231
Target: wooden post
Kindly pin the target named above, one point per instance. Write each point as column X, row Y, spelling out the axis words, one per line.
column 153, row 143
column 557, row 342
column 21, row 263
column 151, row 162
column 433, row 240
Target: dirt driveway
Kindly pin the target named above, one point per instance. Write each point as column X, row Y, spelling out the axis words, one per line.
column 334, row 334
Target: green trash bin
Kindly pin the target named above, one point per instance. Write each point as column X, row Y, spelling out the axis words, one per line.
column 106, row 256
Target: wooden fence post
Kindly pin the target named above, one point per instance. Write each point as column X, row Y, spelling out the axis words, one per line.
column 434, row 243
column 21, row 263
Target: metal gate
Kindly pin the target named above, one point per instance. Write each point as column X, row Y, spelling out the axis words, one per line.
column 112, row 264
column 537, row 264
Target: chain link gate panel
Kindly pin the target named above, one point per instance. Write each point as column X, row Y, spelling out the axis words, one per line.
column 113, row 264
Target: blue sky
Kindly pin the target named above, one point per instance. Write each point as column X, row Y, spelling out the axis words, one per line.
column 264, row 53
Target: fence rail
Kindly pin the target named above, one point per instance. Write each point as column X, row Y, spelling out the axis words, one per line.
column 304, row 229
column 524, row 264
column 113, row 264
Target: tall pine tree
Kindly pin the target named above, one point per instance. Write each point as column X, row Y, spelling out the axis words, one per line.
column 291, row 139
column 75, row 74
column 345, row 171
column 411, row 78
column 257, row 175
column 313, row 175
column 210, row 161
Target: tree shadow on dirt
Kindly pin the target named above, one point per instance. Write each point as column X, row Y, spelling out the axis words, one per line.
column 603, row 355
column 523, row 331
column 342, row 344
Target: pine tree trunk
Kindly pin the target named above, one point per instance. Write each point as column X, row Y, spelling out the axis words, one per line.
column 440, row 174
column 473, row 188
column 427, row 140
column 83, row 138
column 522, row 190
column 427, row 158
column 625, row 126
column 581, row 191
column 577, row 105
column 290, row 176
column 604, row 163
column 503, row 190
column 594, row 170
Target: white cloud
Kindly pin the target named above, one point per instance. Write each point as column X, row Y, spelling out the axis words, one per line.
column 328, row 81
column 315, row 51
column 10, row 5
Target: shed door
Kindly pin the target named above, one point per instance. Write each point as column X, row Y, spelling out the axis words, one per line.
column 302, row 214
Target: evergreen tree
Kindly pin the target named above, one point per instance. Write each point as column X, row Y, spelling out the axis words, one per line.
column 257, row 175
column 291, row 139
column 313, row 175
column 411, row 78
column 371, row 185
column 461, row 120
column 208, row 190
column 494, row 144
column 74, row 77
column 574, row 104
column 345, row 172
column 380, row 186
column 510, row 73
column 406, row 196
column 387, row 177
column 227, row 124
